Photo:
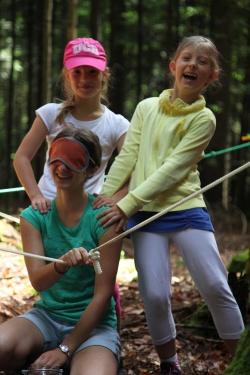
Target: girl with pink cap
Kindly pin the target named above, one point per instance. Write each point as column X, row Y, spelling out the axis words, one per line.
column 85, row 78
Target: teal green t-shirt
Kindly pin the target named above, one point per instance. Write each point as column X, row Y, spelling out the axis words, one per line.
column 67, row 299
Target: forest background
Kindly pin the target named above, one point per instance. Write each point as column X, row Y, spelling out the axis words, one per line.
column 140, row 37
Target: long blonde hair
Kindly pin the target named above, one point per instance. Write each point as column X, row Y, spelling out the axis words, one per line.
column 69, row 103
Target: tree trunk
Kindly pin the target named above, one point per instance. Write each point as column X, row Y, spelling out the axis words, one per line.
column 117, row 55
column 171, row 39
column 139, row 49
column 46, row 51
column 31, row 89
column 10, row 108
column 44, row 64
column 72, row 19
column 95, row 19
column 242, row 187
column 220, row 13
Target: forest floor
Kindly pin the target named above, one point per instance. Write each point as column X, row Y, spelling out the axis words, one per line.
column 199, row 348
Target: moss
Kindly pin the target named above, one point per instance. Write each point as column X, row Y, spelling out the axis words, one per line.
column 241, row 362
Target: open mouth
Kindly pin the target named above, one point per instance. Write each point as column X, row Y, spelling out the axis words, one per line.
column 190, row 76
column 64, row 174
column 86, row 87
column 63, row 177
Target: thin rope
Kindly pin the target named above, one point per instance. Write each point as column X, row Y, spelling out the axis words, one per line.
column 11, row 190
column 10, row 217
column 226, row 150
column 93, row 254
column 206, row 156
column 32, row 255
column 149, row 220
column 170, row 208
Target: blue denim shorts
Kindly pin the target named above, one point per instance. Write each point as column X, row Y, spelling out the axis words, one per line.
column 54, row 331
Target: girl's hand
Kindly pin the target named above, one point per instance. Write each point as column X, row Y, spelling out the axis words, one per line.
column 50, row 359
column 72, row 258
column 111, row 216
column 39, row 202
column 101, row 200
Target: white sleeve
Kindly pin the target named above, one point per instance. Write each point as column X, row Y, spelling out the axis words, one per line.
column 48, row 114
column 122, row 126
column 117, row 125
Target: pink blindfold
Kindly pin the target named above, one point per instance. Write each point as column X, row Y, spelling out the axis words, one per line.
column 71, row 153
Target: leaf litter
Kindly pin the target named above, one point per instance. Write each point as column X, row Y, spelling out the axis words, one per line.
column 199, row 349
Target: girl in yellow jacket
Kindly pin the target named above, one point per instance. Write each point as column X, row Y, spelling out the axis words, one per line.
column 166, row 140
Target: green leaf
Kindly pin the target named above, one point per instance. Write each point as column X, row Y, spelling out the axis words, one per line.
column 239, row 261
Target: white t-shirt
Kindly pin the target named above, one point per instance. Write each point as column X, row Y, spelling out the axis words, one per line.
column 109, row 127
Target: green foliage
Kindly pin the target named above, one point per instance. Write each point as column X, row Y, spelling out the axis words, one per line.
column 240, row 263
column 239, row 279
column 146, row 33
column 201, row 318
column 241, row 362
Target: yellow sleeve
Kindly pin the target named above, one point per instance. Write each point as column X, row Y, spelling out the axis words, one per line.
column 176, row 166
column 123, row 165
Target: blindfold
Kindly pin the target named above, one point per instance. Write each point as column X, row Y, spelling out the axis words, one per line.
column 70, row 152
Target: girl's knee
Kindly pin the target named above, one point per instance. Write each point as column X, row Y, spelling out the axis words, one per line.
column 157, row 301
column 12, row 350
column 218, row 291
column 7, row 349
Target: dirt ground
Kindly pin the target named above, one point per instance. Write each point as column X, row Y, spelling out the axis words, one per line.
column 199, row 348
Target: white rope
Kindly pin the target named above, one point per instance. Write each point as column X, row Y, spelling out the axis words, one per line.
column 95, row 256
column 94, row 253
column 9, row 217
column 170, row 208
column 31, row 255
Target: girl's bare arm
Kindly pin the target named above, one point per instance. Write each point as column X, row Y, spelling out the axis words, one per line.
column 22, row 163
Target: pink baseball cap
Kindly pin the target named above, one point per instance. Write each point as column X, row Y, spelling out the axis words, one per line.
column 84, row 51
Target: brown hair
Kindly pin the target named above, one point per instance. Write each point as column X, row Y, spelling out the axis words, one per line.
column 200, row 41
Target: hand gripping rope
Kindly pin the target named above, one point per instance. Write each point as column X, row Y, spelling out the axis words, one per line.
column 95, row 254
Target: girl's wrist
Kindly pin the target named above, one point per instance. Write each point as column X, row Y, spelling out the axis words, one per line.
column 58, row 270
